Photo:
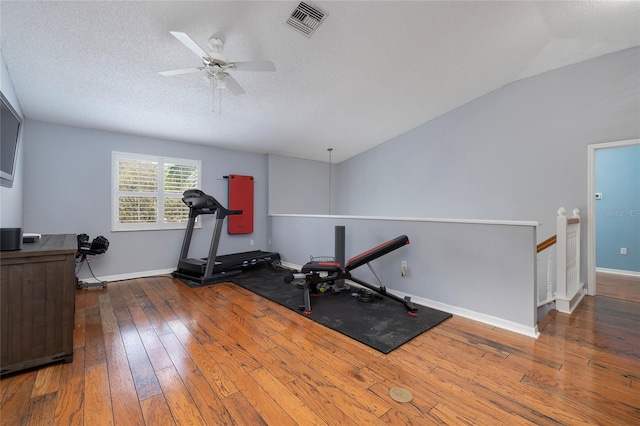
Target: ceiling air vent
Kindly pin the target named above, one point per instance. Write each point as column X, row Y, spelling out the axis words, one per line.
column 306, row 18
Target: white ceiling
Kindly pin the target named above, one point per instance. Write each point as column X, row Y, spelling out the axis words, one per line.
column 371, row 71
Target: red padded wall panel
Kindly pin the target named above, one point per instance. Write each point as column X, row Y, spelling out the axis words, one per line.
column 240, row 198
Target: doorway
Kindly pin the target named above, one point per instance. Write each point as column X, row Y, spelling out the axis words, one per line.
column 591, row 207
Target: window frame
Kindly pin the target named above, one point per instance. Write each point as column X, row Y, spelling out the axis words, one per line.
column 116, row 157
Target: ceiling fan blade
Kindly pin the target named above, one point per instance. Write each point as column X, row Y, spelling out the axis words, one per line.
column 234, row 87
column 181, row 71
column 192, row 45
column 255, row 66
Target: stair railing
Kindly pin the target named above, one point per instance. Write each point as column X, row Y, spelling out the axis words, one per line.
column 548, row 246
column 569, row 291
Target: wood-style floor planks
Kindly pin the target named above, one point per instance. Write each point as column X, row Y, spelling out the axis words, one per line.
column 70, row 399
column 242, row 411
column 98, row 409
column 319, row 402
column 296, row 409
column 625, row 287
column 79, row 321
column 181, row 404
column 194, row 352
column 144, row 377
column 199, row 386
column 121, row 384
column 16, row 399
column 41, row 409
column 155, row 411
column 404, row 413
column 154, row 351
column 47, row 380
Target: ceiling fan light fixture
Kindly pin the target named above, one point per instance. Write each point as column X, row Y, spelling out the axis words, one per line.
column 216, row 64
column 214, row 69
column 221, row 80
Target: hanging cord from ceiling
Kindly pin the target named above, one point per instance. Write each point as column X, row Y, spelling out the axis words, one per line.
column 220, row 86
column 329, row 149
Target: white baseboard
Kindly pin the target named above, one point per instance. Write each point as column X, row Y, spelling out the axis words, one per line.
column 472, row 315
column 619, row 272
column 289, row 265
column 130, row 276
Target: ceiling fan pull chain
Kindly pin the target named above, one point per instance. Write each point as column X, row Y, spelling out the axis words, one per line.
column 213, row 96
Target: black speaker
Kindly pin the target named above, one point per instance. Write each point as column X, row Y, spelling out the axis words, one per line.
column 10, row 239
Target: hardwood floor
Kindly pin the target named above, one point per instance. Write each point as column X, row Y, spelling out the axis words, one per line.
column 624, row 287
column 154, row 351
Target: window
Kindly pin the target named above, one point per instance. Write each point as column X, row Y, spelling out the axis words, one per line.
column 147, row 191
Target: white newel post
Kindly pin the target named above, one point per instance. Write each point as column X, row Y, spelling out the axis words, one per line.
column 569, row 288
column 561, row 254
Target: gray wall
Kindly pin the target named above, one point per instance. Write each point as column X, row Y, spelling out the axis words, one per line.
column 518, row 153
column 301, row 186
column 68, row 190
column 11, row 199
column 484, row 271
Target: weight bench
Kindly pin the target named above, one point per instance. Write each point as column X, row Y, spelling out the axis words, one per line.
column 336, row 272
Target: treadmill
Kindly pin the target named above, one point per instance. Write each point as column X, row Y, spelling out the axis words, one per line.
column 213, row 269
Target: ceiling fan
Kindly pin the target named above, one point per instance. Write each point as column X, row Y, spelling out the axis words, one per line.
column 216, row 63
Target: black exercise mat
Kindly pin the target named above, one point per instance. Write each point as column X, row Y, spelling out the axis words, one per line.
column 383, row 324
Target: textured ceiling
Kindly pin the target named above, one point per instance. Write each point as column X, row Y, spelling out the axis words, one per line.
column 371, row 71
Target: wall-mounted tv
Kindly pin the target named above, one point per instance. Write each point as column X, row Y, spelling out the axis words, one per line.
column 10, row 127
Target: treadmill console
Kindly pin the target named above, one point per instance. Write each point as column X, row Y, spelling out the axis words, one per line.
column 199, row 201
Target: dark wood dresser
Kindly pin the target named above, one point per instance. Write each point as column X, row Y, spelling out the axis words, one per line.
column 37, row 303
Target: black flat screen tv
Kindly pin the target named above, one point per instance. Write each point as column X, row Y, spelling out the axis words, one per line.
column 10, row 127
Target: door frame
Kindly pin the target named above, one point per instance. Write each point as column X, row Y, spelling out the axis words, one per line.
column 591, row 207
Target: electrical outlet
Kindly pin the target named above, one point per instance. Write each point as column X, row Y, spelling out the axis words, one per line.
column 250, row 242
column 403, row 268
column 623, row 250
